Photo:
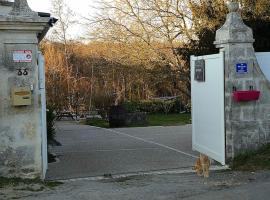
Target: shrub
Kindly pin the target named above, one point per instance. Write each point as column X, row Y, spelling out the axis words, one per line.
column 156, row 106
column 102, row 102
column 131, row 106
column 50, row 124
column 120, row 117
column 178, row 107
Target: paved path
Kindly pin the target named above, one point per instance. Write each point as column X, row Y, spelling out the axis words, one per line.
column 220, row 186
column 89, row 151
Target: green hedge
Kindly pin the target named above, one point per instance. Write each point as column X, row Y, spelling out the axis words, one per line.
column 156, row 106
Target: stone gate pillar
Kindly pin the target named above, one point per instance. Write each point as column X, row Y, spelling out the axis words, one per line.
column 247, row 123
column 21, row 29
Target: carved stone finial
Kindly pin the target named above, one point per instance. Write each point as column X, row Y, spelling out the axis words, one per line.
column 234, row 30
column 233, row 6
column 21, row 8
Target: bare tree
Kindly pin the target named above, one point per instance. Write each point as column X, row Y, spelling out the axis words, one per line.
column 60, row 34
column 160, row 26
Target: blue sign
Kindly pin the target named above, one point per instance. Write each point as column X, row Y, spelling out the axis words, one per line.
column 241, row 68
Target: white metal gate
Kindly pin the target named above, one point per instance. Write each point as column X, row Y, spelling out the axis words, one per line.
column 207, row 94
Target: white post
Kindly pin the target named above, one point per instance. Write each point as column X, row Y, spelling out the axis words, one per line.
column 41, row 73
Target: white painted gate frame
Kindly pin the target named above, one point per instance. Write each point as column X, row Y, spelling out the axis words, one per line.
column 208, row 116
column 41, row 77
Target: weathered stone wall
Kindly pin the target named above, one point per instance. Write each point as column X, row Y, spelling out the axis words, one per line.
column 20, row 127
column 20, row 134
column 247, row 123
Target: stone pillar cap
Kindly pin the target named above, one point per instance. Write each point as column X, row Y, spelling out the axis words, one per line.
column 234, row 30
column 21, row 8
column 233, row 6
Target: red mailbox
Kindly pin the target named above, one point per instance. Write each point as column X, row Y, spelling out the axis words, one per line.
column 248, row 95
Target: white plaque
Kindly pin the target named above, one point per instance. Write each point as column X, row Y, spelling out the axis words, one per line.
column 22, row 56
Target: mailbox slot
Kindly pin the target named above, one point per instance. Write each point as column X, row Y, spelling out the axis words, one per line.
column 199, row 71
column 21, row 96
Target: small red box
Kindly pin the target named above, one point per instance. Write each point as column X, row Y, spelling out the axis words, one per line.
column 248, row 95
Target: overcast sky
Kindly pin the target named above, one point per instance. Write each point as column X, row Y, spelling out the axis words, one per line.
column 80, row 8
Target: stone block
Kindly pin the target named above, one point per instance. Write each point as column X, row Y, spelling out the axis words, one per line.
column 265, row 131
column 4, row 156
column 229, row 137
column 229, row 153
column 228, row 100
column 248, row 112
column 26, row 155
column 238, row 52
column 265, row 94
column 250, row 52
column 228, row 126
column 229, row 150
column 262, row 111
column 250, row 84
column 245, row 136
column 236, row 113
